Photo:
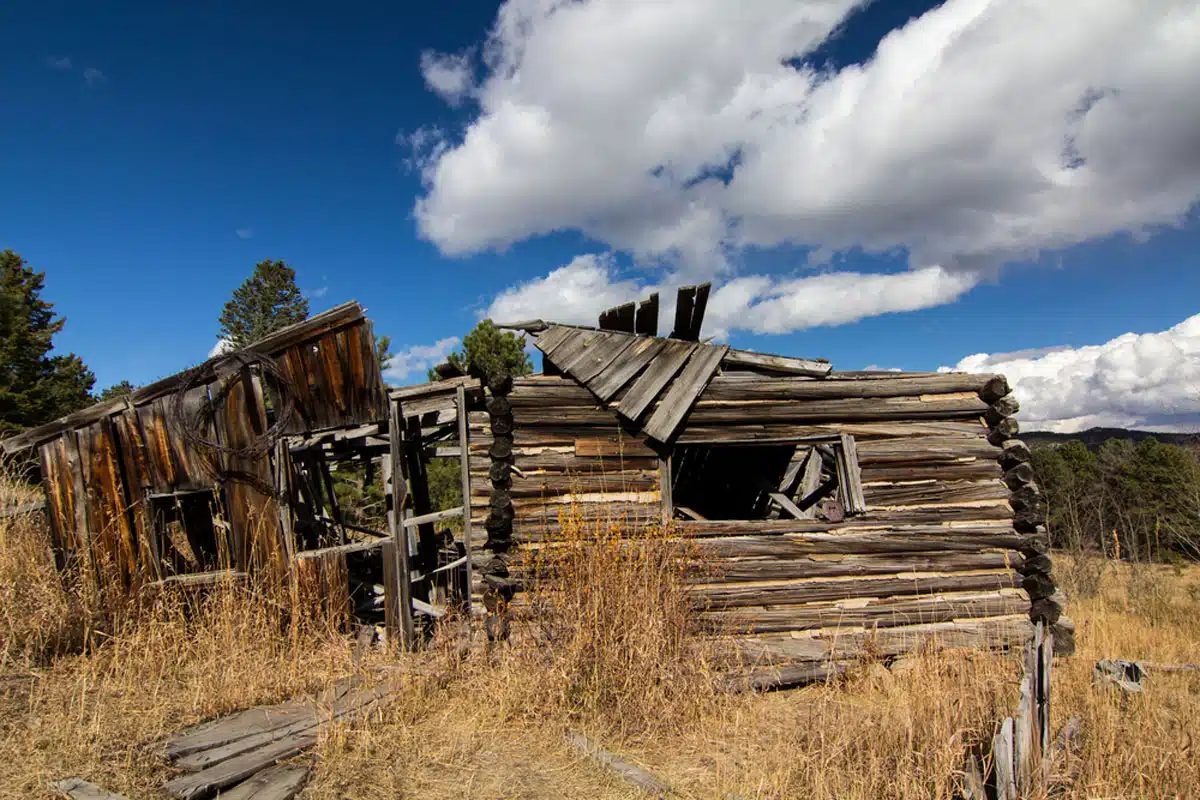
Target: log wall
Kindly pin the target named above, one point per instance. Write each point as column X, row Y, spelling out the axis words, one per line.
column 940, row 553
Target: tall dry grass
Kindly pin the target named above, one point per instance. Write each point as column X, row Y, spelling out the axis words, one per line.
column 604, row 645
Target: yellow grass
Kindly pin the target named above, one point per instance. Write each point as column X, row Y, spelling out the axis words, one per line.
column 89, row 693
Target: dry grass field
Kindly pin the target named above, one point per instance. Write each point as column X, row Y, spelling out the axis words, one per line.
column 89, row 693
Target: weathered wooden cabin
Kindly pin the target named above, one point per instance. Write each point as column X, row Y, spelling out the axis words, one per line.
column 840, row 512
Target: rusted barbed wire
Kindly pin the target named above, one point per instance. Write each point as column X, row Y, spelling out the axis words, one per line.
column 198, row 426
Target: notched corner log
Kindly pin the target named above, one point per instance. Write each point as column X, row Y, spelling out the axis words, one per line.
column 995, row 388
column 1003, row 430
column 1015, row 452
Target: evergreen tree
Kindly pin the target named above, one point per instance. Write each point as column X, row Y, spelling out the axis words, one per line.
column 35, row 387
column 267, row 301
column 487, row 350
column 383, row 352
column 116, row 390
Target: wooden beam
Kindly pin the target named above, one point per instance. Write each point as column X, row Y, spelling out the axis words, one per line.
column 783, row 364
column 79, row 789
column 343, row 549
column 400, row 587
column 434, row 516
column 684, row 391
column 464, row 463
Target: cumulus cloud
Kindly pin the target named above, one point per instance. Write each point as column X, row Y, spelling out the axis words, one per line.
column 578, row 292
column 245, row 233
column 1148, row 380
column 222, row 347
column 62, row 64
column 450, row 76
column 685, row 131
column 418, row 358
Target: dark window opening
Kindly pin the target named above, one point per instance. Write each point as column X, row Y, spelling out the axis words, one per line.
column 189, row 531
column 765, row 481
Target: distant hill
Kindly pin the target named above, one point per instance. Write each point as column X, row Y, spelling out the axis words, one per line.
column 1094, row 437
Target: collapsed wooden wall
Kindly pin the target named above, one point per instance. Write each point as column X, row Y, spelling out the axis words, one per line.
column 935, row 555
column 103, row 467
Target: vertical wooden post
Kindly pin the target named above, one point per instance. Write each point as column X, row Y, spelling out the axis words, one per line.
column 664, row 483
column 283, row 497
column 464, row 461
column 399, row 588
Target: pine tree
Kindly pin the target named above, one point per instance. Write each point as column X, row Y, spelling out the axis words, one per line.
column 35, row 386
column 487, row 350
column 116, row 390
column 267, row 301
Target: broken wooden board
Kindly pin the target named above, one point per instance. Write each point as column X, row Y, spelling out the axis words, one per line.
column 683, row 393
column 225, row 752
column 281, row 782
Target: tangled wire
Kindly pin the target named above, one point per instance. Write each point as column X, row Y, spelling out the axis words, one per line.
column 198, row 425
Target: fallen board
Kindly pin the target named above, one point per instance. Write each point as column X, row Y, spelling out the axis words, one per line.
column 281, row 782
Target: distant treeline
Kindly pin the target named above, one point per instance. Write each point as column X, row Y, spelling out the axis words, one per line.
column 1132, row 501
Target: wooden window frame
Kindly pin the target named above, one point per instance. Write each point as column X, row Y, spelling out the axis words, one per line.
column 849, row 487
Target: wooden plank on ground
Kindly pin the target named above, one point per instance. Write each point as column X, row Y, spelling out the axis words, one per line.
column 79, row 789
column 691, row 383
column 621, row 371
column 207, row 782
column 280, row 782
column 634, row 774
column 658, row 374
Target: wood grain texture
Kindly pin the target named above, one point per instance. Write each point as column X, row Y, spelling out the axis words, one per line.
column 658, row 374
column 677, row 402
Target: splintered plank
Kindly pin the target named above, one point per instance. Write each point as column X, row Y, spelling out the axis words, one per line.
column 207, row 782
column 621, row 371
column 691, row 383
column 684, row 301
column 280, row 782
column 658, row 374
column 646, row 323
column 598, row 356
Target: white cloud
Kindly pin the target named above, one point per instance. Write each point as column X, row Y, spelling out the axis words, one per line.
column 93, row 76
column 574, row 294
column 686, row 130
column 418, row 358
column 63, row 64
column 317, row 293
column 578, row 292
column 222, row 347
column 450, row 76
column 245, row 233
column 1148, row 380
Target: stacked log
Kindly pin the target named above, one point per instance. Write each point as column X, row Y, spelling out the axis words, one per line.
column 498, row 586
column 1029, row 518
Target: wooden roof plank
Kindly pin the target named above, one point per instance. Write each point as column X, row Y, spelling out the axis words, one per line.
column 547, row 341
column 684, row 303
column 700, row 368
column 574, row 350
column 785, row 364
column 621, row 371
column 646, row 322
column 658, row 374
column 599, row 356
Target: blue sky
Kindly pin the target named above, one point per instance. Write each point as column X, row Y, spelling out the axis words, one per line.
column 151, row 156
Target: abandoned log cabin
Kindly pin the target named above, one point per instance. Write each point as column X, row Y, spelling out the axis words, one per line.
column 841, row 512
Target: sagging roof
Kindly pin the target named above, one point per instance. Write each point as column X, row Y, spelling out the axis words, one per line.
column 625, row 357
column 341, row 363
